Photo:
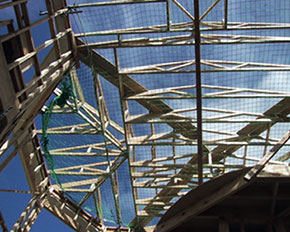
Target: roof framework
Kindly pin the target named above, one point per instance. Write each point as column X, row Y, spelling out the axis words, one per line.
column 157, row 124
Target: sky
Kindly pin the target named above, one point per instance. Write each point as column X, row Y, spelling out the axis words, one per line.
column 11, row 205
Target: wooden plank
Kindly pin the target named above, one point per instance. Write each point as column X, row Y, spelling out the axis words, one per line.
column 183, row 9
column 98, row 204
column 8, row 103
column 84, row 166
column 206, row 39
column 258, row 167
column 167, row 158
column 31, row 157
column 70, row 213
column 108, row 3
column 4, row 23
column 111, row 154
column 79, row 183
column 18, row 145
column 187, row 27
column 31, row 218
column 76, row 83
column 30, row 213
column 212, row 66
column 9, row 4
column 22, row 60
column 149, row 174
column 281, row 109
column 89, row 147
column 62, row 23
column 33, row 24
column 52, row 28
column 29, row 39
column 81, row 174
column 233, row 184
column 209, row 10
column 2, row 223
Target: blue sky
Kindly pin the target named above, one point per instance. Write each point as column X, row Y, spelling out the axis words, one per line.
column 13, row 177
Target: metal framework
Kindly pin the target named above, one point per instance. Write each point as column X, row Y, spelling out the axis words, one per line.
column 166, row 177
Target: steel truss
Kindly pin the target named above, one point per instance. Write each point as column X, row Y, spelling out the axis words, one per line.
column 170, row 177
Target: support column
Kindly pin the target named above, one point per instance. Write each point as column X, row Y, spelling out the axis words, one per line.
column 198, row 90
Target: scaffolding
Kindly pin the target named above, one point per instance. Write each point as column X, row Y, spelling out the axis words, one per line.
column 140, row 102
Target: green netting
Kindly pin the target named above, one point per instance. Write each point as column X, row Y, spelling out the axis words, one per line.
column 55, row 141
column 67, row 93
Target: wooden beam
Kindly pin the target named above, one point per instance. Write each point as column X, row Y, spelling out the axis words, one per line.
column 70, row 213
column 261, row 164
column 183, row 9
column 108, row 3
column 2, row 223
column 30, row 213
column 187, row 27
column 234, row 184
column 206, row 39
column 208, row 10
column 208, row 66
column 76, row 83
column 280, row 108
column 9, row 4
column 8, row 102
